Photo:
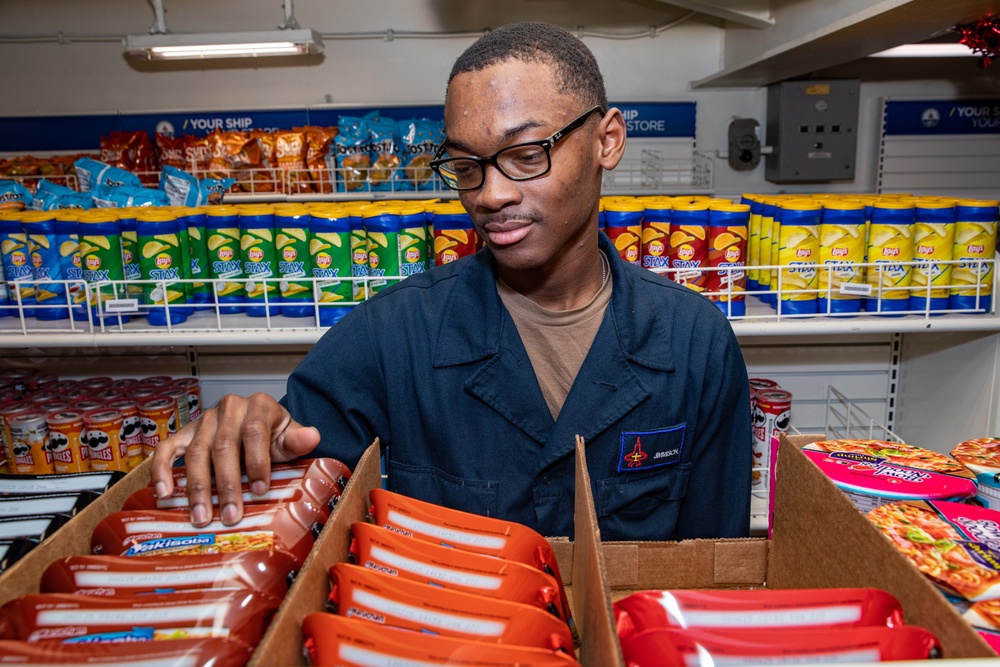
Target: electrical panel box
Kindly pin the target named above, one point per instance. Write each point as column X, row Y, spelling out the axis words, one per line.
column 812, row 127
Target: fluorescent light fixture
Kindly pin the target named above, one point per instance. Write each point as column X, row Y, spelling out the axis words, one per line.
column 931, row 50
column 224, row 45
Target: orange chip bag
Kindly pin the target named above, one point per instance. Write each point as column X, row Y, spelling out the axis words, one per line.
column 363, row 593
column 290, row 152
column 170, row 150
column 349, row 642
column 319, row 141
column 197, row 154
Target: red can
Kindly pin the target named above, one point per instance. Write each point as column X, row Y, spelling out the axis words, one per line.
column 107, row 395
column 42, row 396
column 107, row 451
column 688, row 247
column 158, row 416
column 771, row 414
column 193, row 388
column 131, row 433
column 156, row 381
column 75, row 394
column 143, row 393
column 95, row 384
column 39, row 381
column 62, row 386
column 123, row 385
column 66, row 433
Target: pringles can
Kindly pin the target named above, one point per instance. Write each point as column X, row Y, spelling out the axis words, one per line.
column 933, row 245
column 975, row 240
column 66, row 430
column 623, row 219
column 841, row 254
column 107, row 451
column 330, row 243
column 688, row 249
column 192, row 388
column 183, row 411
column 771, row 414
column 131, row 431
column 158, row 416
column 727, row 246
column 29, row 439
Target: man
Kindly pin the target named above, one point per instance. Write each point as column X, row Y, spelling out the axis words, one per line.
column 477, row 376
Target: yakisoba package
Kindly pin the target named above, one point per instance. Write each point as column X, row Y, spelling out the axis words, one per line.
column 349, row 642
column 369, row 595
column 267, row 572
column 982, row 457
column 956, row 545
column 331, row 470
column 316, row 490
column 388, row 552
column 791, row 609
column 238, row 615
column 874, row 472
column 98, row 482
column 290, row 527
column 706, row 648
column 211, row 652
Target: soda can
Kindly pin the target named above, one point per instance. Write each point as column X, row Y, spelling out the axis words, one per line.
column 330, row 251
column 158, row 418
column 771, row 415
column 183, row 410
column 291, row 242
column 40, row 226
column 224, row 258
column 95, row 384
column 106, row 450
column 131, row 431
column 29, row 435
column 69, row 453
column 16, row 261
column 7, row 413
column 193, row 389
column 162, row 260
column 260, row 264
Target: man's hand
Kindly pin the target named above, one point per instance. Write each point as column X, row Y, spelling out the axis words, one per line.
column 258, row 426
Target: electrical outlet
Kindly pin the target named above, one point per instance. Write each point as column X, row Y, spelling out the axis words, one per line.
column 744, row 144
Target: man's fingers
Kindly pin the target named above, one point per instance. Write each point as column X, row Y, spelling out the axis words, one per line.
column 296, row 441
column 198, row 468
column 164, row 456
column 266, row 420
column 230, row 439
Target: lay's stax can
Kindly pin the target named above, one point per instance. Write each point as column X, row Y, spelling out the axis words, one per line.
column 412, row 239
column 624, row 227
column 17, row 262
column 158, row 416
column 260, row 264
column 201, row 288
column 933, row 244
column 40, row 226
column 69, row 454
column 359, row 251
column 656, row 217
column 330, row 238
column 68, row 240
column 101, row 258
column 130, row 252
column 841, row 252
column 103, row 429
column 454, row 233
column 224, row 257
column 162, row 262
column 382, row 227
column 688, row 249
column 291, row 242
column 727, row 248
column 29, row 439
column 890, row 248
column 975, row 240
column 798, row 249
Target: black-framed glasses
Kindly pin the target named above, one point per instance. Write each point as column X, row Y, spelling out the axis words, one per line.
column 519, row 162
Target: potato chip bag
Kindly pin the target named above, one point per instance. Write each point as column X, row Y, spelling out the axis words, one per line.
column 420, row 139
column 197, row 154
column 353, row 161
column 290, row 152
column 319, row 143
column 170, row 150
column 14, row 196
column 386, row 156
column 91, row 173
column 127, row 196
column 51, row 196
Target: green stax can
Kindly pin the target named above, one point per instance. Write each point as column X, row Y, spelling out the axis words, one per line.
column 161, row 259
column 413, row 240
column 382, row 226
column 224, row 260
column 201, row 287
column 291, row 242
column 359, row 251
column 130, row 252
column 101, row 258
column 260, row 264
column 330, row 252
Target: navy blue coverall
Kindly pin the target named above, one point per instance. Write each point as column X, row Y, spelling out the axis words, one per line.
column 434, row 367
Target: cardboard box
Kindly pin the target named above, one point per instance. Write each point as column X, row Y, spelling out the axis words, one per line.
column 72, row 539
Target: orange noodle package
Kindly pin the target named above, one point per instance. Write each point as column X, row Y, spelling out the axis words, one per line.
column 331, row 470
column 791, row 609
column 68, row 618
column 358, row 592
column 706, row 648
column 464, row 530
column 268, row 572
column 209, row 652
column 292, row 527
column 316, row 490
column 954, row 544
column 347, row 642
column 382, row 550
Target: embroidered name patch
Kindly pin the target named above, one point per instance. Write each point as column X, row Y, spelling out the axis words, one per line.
column 642, row 450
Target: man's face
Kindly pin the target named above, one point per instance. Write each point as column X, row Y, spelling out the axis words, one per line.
column 536, row 223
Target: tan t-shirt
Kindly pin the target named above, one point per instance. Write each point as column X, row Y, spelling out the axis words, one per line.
column 557, row 341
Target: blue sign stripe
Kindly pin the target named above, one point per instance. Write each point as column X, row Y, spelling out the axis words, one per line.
column 84, row 132
column 927, row 117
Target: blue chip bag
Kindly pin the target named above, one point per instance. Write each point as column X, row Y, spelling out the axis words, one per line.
column 13, row 195
column 214, row 189
column 352, row 154
column 420, row 139
column 50, row 196
column 126, row 196
column 180, row 187
column 386, row 154
column 91, row 173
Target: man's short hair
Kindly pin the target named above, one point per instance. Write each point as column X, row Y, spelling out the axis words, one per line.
column 575, row 65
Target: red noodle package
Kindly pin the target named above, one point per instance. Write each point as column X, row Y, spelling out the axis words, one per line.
column 267, row 572
column 349, row 642
column 791, row 609
column 69, row 618
column 380, row 598
column 382, row 550
column 290, row 527
column 210, row 652
column 706, row 648
column 330, row 469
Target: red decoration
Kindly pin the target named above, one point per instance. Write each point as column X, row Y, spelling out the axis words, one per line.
column 983, row 37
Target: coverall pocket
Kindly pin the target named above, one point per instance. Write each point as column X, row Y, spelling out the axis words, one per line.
column 645, row 505
column 432, row 485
